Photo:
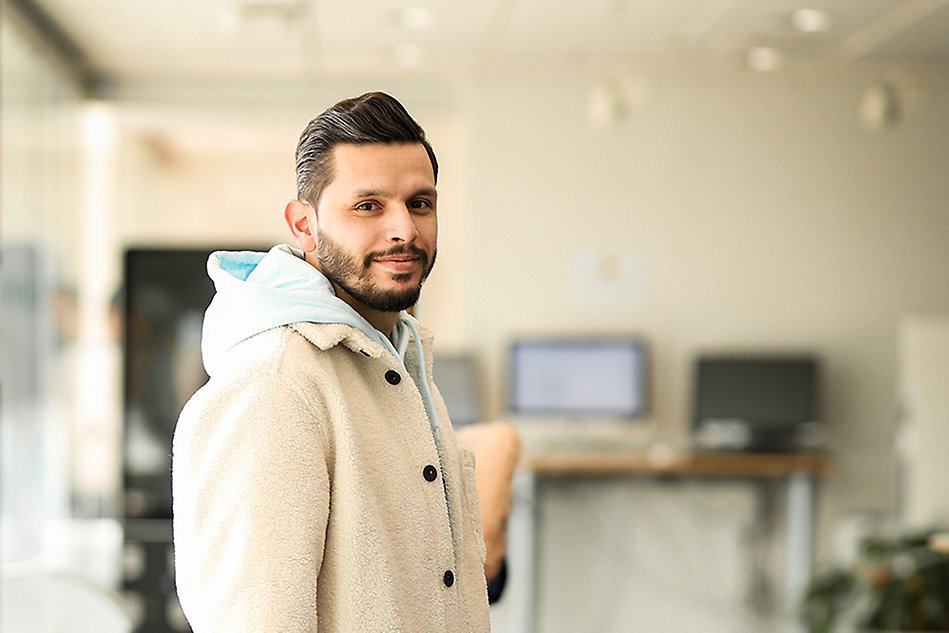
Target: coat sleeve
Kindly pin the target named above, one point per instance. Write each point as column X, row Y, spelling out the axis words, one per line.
column 251, row 501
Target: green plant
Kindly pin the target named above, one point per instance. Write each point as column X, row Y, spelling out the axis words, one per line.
column 897, row 584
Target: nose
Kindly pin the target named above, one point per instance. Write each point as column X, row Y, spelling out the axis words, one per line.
column 401, row 226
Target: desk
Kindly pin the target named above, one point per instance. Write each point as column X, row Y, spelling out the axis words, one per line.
column 800, row 470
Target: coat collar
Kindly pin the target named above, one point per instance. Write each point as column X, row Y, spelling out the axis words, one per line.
column 328, row 335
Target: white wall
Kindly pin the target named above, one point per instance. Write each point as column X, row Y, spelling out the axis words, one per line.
column 762, row 214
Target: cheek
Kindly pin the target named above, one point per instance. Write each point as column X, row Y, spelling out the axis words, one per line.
column 428, row 230
column 357, row 240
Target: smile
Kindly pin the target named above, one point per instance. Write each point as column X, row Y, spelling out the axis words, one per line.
column 402, row 263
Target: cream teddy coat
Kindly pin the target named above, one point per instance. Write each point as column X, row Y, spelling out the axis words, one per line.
column 311, row 494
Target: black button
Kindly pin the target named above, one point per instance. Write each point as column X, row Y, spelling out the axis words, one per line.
column 393, row 377
column 449, row 578
column 430, row 473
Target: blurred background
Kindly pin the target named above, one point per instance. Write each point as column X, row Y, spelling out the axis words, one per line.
column 701, row 176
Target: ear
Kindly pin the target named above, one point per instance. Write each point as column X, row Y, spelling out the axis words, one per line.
column 297, row 214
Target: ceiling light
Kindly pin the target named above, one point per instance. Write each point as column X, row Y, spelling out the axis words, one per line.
column 879, row 107
column 810, row 20
column 605, row 105
column 271, row 10
column 416, row 18
column 764, row 58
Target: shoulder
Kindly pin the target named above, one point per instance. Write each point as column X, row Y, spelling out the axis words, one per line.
column 285, row 353
column 259, row 378
column 288, row 369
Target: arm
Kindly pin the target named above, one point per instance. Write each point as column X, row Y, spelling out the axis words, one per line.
column 496, row 446
column 250, row 491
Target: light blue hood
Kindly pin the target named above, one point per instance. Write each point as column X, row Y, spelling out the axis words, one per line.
column 259, row 291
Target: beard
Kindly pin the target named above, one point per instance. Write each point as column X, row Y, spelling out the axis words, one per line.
column 345, row 271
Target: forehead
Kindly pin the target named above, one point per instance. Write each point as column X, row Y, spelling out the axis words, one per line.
column 381, row 161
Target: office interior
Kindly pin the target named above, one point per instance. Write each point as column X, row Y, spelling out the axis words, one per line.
column 700, row 176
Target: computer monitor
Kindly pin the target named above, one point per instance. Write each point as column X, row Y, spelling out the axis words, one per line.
column 761, row 402
column 578, row 378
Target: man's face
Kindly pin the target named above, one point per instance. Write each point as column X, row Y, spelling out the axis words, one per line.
column 377, row 225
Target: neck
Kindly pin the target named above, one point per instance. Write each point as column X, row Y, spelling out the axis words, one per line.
column 382, row 321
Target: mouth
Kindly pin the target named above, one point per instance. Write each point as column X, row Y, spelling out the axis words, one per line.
column 398, row 263
column 399, row 260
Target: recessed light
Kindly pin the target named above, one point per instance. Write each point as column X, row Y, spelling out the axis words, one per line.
column 764, row 58
column 879, row 107
column 810, row 20
column 417, row 18
column 605, row 105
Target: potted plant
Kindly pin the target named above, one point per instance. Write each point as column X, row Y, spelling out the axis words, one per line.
column 897, row 584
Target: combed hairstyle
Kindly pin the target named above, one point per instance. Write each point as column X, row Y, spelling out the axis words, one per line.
column 374, row 117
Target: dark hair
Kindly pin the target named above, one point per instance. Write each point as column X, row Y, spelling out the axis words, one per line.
column 374, row 117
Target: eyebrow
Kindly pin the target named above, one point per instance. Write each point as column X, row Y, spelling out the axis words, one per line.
column 381, row 193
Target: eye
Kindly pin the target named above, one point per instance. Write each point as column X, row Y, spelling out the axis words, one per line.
column 367, row 206
column 422, row 204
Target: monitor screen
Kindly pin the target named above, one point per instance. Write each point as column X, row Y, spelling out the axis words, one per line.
column 578, row 378
column 773, row 391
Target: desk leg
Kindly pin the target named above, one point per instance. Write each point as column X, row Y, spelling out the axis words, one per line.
column 522, row 554
column 800, row 544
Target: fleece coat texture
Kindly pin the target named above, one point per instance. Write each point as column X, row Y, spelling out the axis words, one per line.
column 311, row 494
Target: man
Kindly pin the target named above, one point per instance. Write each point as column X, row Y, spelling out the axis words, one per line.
column 317, row 482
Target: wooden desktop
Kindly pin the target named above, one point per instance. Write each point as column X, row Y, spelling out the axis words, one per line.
column 692, row 464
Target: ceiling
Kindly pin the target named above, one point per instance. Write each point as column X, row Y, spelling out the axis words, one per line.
column 122, row 41
column 215, row 73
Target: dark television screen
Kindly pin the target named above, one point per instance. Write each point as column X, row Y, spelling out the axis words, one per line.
column 596, row 378
column 166, row 292
column 777, row 391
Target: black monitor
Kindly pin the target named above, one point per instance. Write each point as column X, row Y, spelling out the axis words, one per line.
column 754, row 402
column 578, row 378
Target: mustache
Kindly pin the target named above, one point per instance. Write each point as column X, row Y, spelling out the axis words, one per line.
column 405, row 249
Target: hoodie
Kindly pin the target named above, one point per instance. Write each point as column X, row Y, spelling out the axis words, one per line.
column 258, row 291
